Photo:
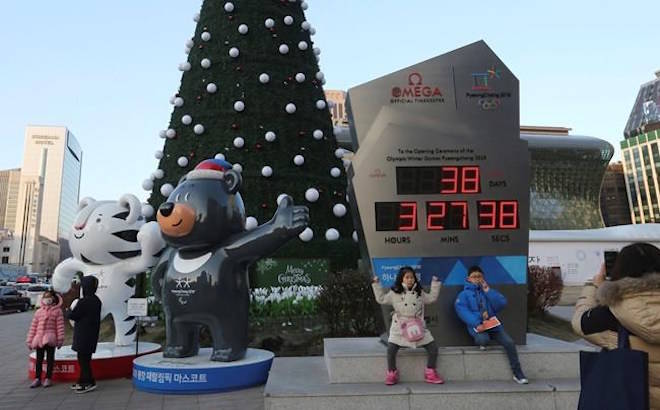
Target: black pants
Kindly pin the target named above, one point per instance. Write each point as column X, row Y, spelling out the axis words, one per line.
column 85, row 363
column 50, row 360
column 431, row 359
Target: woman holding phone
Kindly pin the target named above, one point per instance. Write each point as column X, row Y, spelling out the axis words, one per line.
column 630, row 298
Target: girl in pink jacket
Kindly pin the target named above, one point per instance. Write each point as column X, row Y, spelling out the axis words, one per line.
column 46, row 333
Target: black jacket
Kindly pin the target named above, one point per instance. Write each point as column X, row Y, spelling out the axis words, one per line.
column 87, row 315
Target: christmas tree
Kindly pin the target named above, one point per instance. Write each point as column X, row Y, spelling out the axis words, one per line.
column 251, row 93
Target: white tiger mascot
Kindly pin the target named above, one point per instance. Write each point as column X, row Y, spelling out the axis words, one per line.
column 111, row 241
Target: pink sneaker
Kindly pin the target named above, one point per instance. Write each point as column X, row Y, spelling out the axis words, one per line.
column 35, row 383
column 431, row 376
column 47, row 383
column 392, row 377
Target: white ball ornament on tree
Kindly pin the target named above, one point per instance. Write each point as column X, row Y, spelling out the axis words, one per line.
column 196, row 17
column 148, row 184
column 312, row 195
column 305, row 25
column 306, row 235
column 205, row 63
column 239, row 106
column 162, row 134
column 303, row 46
column 298, row 160
column 304, row 5
column 148, row 211
column 339, row 152
column 317, row 51
column 264, row 78
column 159, row 173
column 178, row 102
column 166, row 189
column 198, row 129
column 229, row 7
column 187, row 50
column 320, row 76
column 185, row 66
column 280, row 198
column 170, row 133
column 335, row 172
column 182, row 161
column 206, row 36
column 233, row 52
column 220, row 156
column 317, row 134
column 288, row 20
column 186, row 120
column 211, row 88
column 251, row 223
column 346, row 162
column 284, row 49
column 158, row 154
column 269, row 23
column 239, row 142
column 320, row 104
column 237, row 167
column 290, row 108
column 190, row 43
column 300, row 77
column 332, row 234
column 339, row 210
column 270, row 136
column 243, row 29
column 312, row 31
column 355, row 236
column 267, row 171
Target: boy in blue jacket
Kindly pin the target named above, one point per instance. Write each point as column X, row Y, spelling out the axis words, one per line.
column 478, row 302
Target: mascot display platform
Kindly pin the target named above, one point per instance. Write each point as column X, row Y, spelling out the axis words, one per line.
column 197, row 374
column 109, row 361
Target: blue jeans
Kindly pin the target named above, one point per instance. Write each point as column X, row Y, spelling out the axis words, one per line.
column 503, row 339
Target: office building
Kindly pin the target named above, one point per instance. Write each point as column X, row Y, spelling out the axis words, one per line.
column 641, row 156
column 48, row 197
column 9, row 185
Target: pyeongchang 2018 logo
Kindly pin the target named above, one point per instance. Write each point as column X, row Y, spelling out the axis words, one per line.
column 416, row 92
column 482, row 89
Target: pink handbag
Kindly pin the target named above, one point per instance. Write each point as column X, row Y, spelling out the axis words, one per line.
column 412, row 329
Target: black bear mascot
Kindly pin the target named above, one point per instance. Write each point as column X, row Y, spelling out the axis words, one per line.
column 202, row 278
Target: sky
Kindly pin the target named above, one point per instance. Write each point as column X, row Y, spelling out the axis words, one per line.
column 106, row 70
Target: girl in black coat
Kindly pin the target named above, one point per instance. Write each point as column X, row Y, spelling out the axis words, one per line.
column 87, row 317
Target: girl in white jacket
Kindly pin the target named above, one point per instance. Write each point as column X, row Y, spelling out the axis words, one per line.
column 408, row 328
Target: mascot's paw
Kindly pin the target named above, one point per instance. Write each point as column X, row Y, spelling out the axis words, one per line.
column 61, row 284
column 150, row 238
column 178, row 352
column 292, row 219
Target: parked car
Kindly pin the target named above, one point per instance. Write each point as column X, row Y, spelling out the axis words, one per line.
column 34, row 292
column 22, row 288
column 10, row 299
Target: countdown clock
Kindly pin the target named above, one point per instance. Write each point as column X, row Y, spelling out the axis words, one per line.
column 440, row 177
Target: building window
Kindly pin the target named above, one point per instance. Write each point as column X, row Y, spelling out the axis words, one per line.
column 5, row 260
column 5, row 249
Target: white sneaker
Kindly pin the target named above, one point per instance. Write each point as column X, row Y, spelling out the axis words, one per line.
column 521, row 380
column 482, row 348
